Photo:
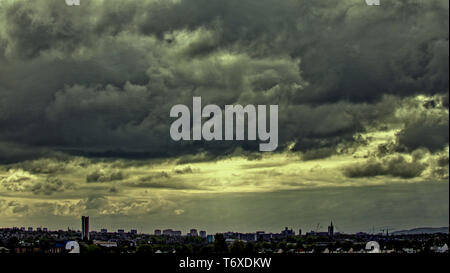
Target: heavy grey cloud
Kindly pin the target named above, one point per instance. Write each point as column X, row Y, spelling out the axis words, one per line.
column 318, row 153
column 50, row 185
column 100, row 79
column 103, row 176
column 431, row 134
column 23, row 181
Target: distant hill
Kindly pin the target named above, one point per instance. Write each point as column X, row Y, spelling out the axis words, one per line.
column 422, row 230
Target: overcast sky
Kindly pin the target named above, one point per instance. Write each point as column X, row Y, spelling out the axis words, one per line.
column 363, row 95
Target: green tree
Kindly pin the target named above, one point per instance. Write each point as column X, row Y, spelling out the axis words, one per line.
column 346, row 245
column 267, row 245
column 249, row 248
column 144, row 249
column 206, row 250
column 184, row 249
column 12, row 243
column 237, row 247
column 93, row 249
column 282, row 246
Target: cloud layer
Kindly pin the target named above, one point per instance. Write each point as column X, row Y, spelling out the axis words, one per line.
column 101, row 78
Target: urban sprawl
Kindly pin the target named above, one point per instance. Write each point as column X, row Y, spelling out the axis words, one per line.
column 43, row 240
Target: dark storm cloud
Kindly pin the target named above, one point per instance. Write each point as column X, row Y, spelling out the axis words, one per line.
column 428, row 133
column 443, row 161
column 185, row 170
column 441, row 170
column 12, row 152
column 164, row 180
column 445, row 100
column 397, row 167
column 347, row 50
column 195, row 158
column 44, row 186
column 100, row 79
column 31, row 33
column 102, row 176
column 95, row 202
column 155, row 184
column 43, row 165
column 318, row 153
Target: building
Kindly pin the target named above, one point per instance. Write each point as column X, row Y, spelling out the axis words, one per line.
column 247, row 237
column 202, row 233
column 121, row 231
column 170, row 232
column 157, row 232
column 58, row 248
column 331, row 230
column 193, row 232
column 30, row 229
column 133, row 231
column 104, row 230
column 167, row 232
column 85, row 228
column 45, row 229
column 262, row 236
column 299, row 232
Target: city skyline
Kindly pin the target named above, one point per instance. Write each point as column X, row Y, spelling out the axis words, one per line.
column 188, row 231
column 174, row 242
column 361, row 92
